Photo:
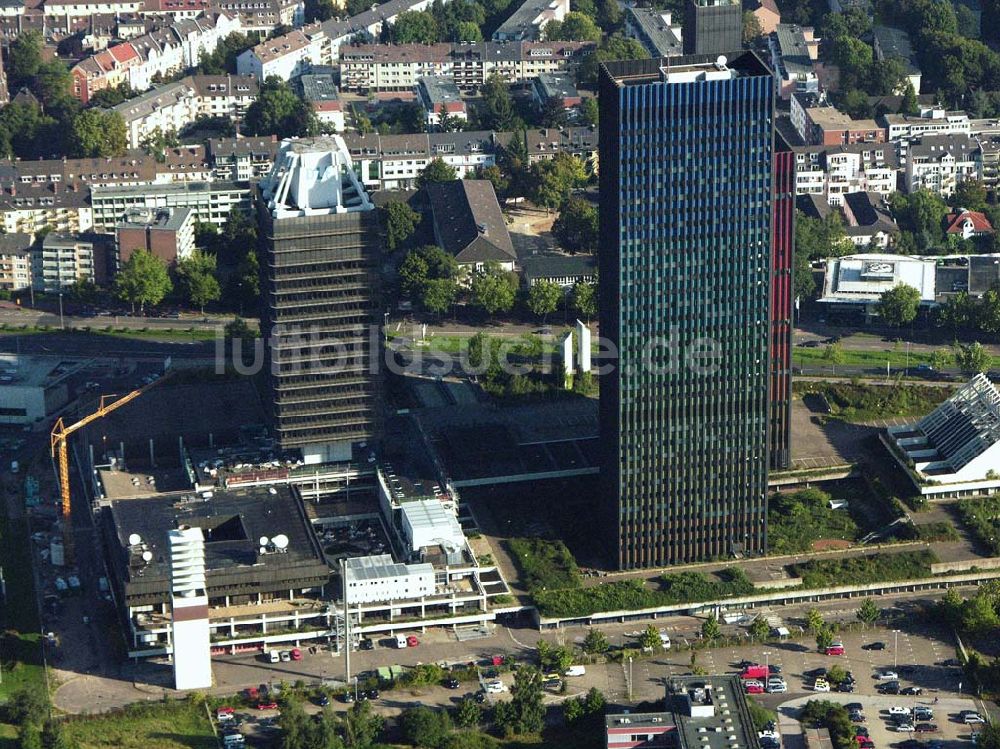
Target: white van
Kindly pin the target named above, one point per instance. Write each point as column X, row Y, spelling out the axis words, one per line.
column 400, row 641
column 664, row 640
column 274, row 656
column 575, row 671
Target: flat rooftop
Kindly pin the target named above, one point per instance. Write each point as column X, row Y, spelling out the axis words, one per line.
column 729, row 726
column 120, row 484
column 234, row 523
column 685, row 69
column 36, row 371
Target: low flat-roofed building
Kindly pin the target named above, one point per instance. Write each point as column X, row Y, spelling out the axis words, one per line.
column 319, row 90
column 33, row 387
column 828, row 126
column 860, row 280
column 166, row 232
column 565, row 270
column 440, row 98
column 429, row 526
column 560, row 87
column 955, row 449
column 654, row 29
column 469, row 224
column 211, row 202
column 377, row 578
column 264, row 566
column 794, row 49
column 15, row 261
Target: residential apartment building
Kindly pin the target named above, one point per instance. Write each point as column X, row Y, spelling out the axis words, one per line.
column 27, row 209
column 161, row 52
column 336, row 33
column 184, row 164
column 383, row 67
column 64, row 260
column 260, row 16
column 440, row 98
column 242, row 159
column 939, row 162
column 168, row 233
column 320, row 284
column 828, row 126
column 527, row 22
column 83, row 8
column 794, row 49
column 285, row 56
column 15, row 261
column 901, row 129
column 685, row 454
column 834, row 171
column 892, row 43
column 654, row 29
column 172, row 106
column 211, row 202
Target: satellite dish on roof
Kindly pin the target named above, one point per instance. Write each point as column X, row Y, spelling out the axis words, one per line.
column 134, row 539
column 147, row 556
column 721, row 61
column 262, row 541
column 280, row 541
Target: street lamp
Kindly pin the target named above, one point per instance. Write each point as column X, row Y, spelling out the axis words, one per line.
column 62, row 325
column 630, row 678
column 895, row 648
column 767, row 662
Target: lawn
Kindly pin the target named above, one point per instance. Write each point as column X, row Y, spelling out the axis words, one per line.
column 815, row 357
column 544, row 564
column 860, row 570
column 20, row 646
column 797, row 520
column 856, row 402
column 164, row 725
column 983, row 518
column 148, row 334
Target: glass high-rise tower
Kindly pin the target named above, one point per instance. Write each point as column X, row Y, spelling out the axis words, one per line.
column 686, row 260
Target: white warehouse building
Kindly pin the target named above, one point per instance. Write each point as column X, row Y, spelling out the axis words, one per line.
column 427, row 524
column 377, row 578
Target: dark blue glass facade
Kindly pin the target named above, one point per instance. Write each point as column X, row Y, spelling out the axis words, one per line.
column 686, row 170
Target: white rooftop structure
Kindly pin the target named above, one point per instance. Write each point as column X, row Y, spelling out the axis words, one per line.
column 313, row 177
column 377, row 578
column 855, row 279
column 426, row 523
column 955, row 449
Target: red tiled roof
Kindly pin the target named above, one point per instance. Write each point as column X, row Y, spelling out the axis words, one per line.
column 980, row 224
column 124, row 52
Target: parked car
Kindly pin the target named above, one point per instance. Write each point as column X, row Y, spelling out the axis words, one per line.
column 576, row 671
column 927, row 728
column 857, row 716
column 836, row 648
column 267, row 705
column 898, row 710
column 923, row 713
column 295, row 654
column 372, row 694
column 913, row 691
column 753, row 687
column 286, row 657
column 452, row 683
column 886, row 676
column 322, row 700
column 969, row 717
column 846, row 687
column 904, row 727
column 889, row 687
column 412, row 641
column 367, row 644
column 347, row 697
column 821, row 685
column 874, row 646
column 860, row 731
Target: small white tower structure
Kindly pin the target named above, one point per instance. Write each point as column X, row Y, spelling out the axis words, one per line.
column 189, row 605
column 583, row 346
column 567, row 355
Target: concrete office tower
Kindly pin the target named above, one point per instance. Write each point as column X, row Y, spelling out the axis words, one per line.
column 189, row 609
column 320, row 254
column 712, row 27
column 686, row 220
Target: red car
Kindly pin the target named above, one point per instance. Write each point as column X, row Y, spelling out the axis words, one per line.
column 412, row 641
column 754, row 689
column 267, row 705
column 836, row 649
column 296, row 654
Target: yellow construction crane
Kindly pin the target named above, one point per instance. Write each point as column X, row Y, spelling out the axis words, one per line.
column 60, row 438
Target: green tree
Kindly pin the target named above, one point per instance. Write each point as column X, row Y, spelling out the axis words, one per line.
column 836, row 674
column 555, row 178
column 54, row 736
column 422, row 265
column 438, row 295
column 28, row 704
column 278, row 111
column 759, row 628
column 29, row 736
column 414, row 27
column 421, row 726
column 497, row 110
column 143, row 279
column 238, row 328
column 752, row 30
column 319, row 10
column 493, row 290
column 24, row 57
column 824, row 638
column 834, row 353
column 940, row 358
column 53, row 82
column 494, row 175
column 544, row 297
column 909, row 104
column 468, row 31
column 589, row 111
column 650, row 638
column 553, row 658
column 575, row 27
column 468, row 714
column 710, row 629
column 294, row 723
column 437, row 170
column 584, row 299
column 970, row 194
column 972, row 358
column 868, row 612
column 898, row 306
column 595, row 642
column 504, row 718
column 854, row 103
column 400, row 223
column 573, row 710
column 576, row 225
column 614, row 47
column 960, row 311
column 814, row 621
column 362, row 726
column 196, row 277
column 526, row 698
column 97, row 133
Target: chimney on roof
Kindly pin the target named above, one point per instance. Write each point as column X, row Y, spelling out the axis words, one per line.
column 13, row 188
